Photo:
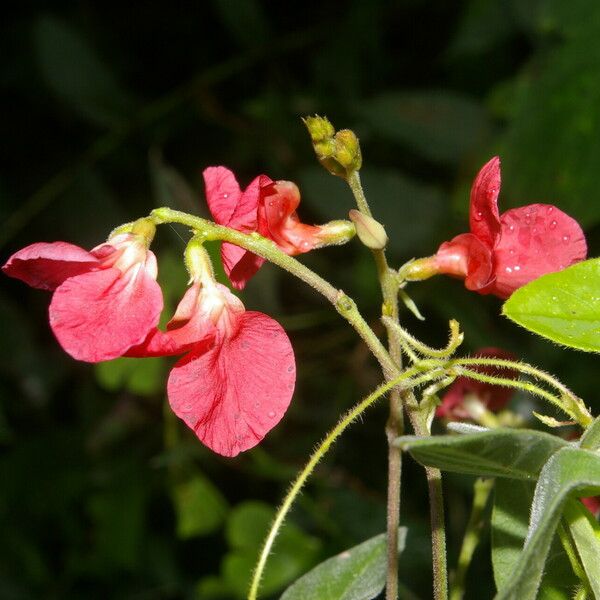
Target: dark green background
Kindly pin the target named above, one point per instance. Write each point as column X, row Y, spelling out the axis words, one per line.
column 109, row 110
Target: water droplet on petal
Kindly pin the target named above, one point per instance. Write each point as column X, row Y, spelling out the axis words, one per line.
column 511, row 228
column 511, row 251
column 566, row 238
column 478, row 215
column 256, row 404
column 516, row 268
column 290, row 368
column 226, row 196
column 508, row 270
column 550, row 209
column 552, row 225
column 271, row 414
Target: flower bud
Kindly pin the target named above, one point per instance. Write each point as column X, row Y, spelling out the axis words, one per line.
column 319, row 128
column 338, row 152
column 370, row 232
column 347, row 151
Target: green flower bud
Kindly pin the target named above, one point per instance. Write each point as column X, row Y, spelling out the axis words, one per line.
column 319, row 128
column 369, row 231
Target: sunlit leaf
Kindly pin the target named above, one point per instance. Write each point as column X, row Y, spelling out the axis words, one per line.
column 356, row 574
column 563, row 306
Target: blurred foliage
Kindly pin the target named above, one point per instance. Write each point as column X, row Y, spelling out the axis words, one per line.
column 112, row 110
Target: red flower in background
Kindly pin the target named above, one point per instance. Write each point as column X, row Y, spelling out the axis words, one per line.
column 265, row 206
column 236, row 380
column 493, row 397
column 504, row 252
column 105, row 301
column 592, row 504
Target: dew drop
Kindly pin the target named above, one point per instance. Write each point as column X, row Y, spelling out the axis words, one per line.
column 552, row 225
column 511, row 228
column 550, row 209
column 554, row 298
column 534, row 230
column 478, row 215
column 508, row 270
column 257, row 405
column 186, row 407
column 566, row 238
column 511, row 251
column 271, row 414
column 305, row 244
column 516, row 268
column 290, row 368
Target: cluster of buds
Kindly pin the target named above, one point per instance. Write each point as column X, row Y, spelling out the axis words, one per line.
column 339, row 152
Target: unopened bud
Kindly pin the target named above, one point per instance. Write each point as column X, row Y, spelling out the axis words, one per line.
column 319, row 128
column 335, row 233
column 347, row 151
column 369, row 231
column 420, row 269
column 338, row 152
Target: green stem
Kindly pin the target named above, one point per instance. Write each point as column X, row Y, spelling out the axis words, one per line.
column 265, row 248
column 481, row 493
column 317, row 455
column 395, row 423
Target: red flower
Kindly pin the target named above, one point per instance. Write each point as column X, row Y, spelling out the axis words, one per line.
column 592, row 503
column 492, row 397
column 237, row 380
column 502, row 253
column 265, row 206
column 105, row 301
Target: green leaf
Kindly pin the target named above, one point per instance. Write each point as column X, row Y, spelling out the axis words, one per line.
column 440, row 125
column 199, row 505
column 569, row 471
column 356, row 574
column 590, row 440
column 586, row 535
column 513, row 453
column 409, row 210
column 563, row 307
column 246, row 530
column 76, row 75
column 510, row 517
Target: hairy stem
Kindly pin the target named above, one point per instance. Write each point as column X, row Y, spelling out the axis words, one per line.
column 317, row 455
column 395, row 423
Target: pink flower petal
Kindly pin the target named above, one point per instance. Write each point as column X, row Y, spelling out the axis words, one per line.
column 239, row 264
column 222, row 193
column 100, row 315
column 535, row 240
column 484, row 217
column 46, row 266
column 234, row 394
column 280, row 202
